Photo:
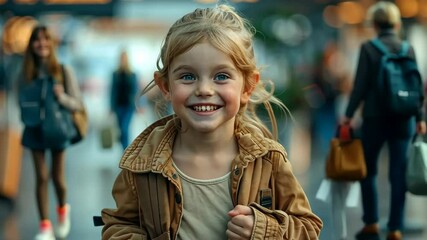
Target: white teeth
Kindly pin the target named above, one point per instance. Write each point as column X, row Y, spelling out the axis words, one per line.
column 204, row 108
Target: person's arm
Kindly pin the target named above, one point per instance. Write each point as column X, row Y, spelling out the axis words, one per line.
column 360, row 83
column 123, row 222
column 293, row 218
column 71, row 97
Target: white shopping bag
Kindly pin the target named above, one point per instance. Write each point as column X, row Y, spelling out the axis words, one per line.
column 350, row 191
column 339, row 195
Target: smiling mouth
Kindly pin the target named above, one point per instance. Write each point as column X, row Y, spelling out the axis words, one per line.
column 205, row 108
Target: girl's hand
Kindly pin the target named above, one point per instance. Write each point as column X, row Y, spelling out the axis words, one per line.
column 241, row 223
column 345, row 121
column 58, row 89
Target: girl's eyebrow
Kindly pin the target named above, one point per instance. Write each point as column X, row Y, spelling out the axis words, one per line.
column 226, row 66
column 180, row 67
column 222, row 66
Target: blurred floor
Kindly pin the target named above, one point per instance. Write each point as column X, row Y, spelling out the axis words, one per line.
column 92, row 170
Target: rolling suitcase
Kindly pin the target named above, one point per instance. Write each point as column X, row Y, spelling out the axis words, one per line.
column 107, row 137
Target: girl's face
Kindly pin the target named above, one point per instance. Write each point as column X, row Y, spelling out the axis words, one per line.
column 42, row 45
column 205, row 88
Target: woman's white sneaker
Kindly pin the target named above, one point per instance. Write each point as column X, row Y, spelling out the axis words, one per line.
column 46, row 231
column 64, row 223
column 45, row 235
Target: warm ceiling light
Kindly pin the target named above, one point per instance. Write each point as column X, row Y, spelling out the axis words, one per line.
column 423, row 8
column 408, row 8
column 351, row 12
column 17, row 31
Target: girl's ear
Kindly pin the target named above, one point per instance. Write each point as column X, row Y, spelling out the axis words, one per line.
column 248, row 88
column 162, row 83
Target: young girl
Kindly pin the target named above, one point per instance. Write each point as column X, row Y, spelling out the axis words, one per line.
column 41, row 64
column 211, row 170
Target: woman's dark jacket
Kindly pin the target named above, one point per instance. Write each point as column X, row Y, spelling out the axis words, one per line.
column 365, row 86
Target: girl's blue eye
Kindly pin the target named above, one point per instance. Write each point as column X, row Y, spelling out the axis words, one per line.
column 221, row 77
column 188, row 77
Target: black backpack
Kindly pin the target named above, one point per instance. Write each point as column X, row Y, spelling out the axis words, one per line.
column 399, row 81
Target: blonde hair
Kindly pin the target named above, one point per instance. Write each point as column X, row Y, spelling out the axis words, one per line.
column 32, row 61
column 384, row 15
column 222, row 27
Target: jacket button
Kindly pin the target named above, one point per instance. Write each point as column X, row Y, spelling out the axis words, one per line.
column 236, row 171
column 178, row 198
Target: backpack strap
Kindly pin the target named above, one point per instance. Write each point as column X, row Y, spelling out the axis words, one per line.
column 404, row 50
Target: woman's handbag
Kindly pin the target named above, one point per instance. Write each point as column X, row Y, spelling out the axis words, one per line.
column 40, row 107
column 416, row 171
column 57, row 126
column 345, row 160
column 80, row 122
column 30, row 102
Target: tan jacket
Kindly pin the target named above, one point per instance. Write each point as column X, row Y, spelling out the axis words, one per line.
column 148, row 190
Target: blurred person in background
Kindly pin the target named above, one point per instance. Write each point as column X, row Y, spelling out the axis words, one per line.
column 41, row 65
column 324, row 93
column 379, row 127
column 124, row 89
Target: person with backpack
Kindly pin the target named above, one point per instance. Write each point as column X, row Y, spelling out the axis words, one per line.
column 390, row 87
column 124, row 88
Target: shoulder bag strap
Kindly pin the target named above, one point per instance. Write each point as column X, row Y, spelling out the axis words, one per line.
column 64, row 78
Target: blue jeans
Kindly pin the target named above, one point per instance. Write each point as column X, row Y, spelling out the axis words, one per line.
column 397, row 133
column 124, row 117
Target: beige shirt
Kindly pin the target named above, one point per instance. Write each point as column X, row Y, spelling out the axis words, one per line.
column 206, row 205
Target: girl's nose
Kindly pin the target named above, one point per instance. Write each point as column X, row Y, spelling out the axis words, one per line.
column 204, row 88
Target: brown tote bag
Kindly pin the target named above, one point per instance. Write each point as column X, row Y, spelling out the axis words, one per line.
column 81, row 123
column 80, row 117
column 345, row 160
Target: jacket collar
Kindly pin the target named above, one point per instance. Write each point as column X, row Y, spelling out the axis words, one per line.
column 387, row 32
column 151, row 151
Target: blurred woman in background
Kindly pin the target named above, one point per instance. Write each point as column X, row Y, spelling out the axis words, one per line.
column 124, row 88
column 41, row 67
column 380, row 126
